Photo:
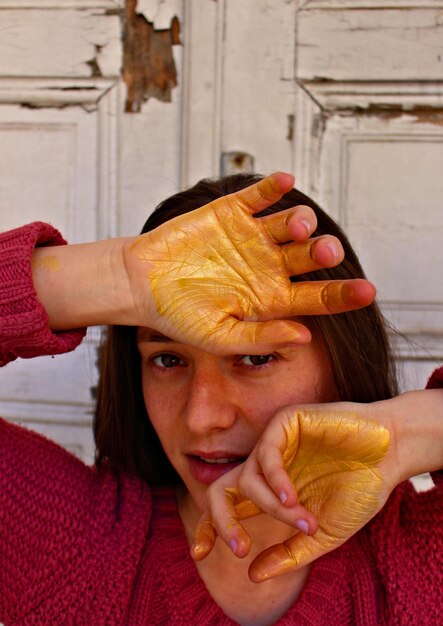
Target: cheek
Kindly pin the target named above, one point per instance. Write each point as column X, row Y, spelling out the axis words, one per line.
column 324, row 389
column 304, row 381
column 159, row 407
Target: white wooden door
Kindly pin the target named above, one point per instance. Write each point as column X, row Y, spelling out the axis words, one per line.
column 371, row 78
column 346, row 94
column 70, row 155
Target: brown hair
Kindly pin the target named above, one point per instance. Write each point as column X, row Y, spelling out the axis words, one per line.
column 356, row 344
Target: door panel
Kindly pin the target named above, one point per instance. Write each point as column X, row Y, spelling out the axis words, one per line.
column 56, row 167
column 371, row 149
column 59, row 92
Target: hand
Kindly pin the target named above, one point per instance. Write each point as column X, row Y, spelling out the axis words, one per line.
column 324, row 471
column 218, row 277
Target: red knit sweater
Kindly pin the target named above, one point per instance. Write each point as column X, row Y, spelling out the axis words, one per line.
column 78, row 548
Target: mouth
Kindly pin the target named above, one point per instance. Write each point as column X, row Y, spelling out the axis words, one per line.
column 206, row 469
column 222, row 461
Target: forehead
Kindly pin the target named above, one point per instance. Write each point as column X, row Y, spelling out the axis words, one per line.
column 314, row 349
column 152, row 336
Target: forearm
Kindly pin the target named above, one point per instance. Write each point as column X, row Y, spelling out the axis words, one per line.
column 418, row 428
column 83, row 285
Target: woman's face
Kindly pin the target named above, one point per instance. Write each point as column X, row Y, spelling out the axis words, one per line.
column 209, row 411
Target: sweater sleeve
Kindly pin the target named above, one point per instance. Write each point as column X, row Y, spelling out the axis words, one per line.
column 24, row 330
column 407, row 547
column 436, row 382
column 436, row 379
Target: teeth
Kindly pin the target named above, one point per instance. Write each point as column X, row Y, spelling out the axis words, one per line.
column 217, row 461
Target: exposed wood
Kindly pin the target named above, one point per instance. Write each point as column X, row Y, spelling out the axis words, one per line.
column 148, row 63
column 55, row 92
column 364, row 96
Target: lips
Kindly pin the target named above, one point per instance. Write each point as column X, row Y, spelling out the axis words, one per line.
column 206, row 468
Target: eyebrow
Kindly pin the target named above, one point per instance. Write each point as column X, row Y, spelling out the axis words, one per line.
column 153, row 336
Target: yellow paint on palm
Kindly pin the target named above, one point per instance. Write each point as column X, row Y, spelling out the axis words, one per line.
column 333, row 461
column 218, row 273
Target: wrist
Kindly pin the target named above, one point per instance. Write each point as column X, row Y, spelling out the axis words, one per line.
column 417, row 427
column 83, row 284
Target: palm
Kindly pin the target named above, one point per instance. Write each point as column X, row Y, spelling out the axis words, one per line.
column 217, row 276
column 201, row 279
column 333, row 461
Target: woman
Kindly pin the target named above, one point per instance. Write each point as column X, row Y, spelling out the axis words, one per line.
column 109, row 548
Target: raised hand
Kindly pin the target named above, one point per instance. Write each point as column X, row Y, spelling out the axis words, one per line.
column 220, row 278
column 321, row 471
column 333, row 461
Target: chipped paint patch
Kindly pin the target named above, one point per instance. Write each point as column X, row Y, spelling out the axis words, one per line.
column 148, row 64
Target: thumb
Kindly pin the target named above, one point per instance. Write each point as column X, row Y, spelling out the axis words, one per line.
column 295, row 552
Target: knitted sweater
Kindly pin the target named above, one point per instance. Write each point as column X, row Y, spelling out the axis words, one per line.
column 79, row 547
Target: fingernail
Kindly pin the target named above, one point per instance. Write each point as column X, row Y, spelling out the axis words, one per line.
column 195, row 550
column 302, row 525
column 332, row 248
column 307, row 225
column 283, row 497
column 233, row 545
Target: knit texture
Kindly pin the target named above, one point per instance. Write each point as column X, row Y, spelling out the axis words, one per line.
column 80, row 547
column 24, row 328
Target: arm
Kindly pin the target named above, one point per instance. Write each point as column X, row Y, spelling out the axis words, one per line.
column 336, row 464
column 207, row 277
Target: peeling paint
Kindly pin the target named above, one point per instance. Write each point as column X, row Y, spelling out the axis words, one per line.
column 421, row 113
column 93, row 63
column 291, row 124
column 148, row 64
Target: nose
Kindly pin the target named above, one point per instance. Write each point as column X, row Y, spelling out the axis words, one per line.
column 210, row 402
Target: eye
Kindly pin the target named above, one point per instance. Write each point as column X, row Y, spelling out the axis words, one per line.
column 256, row 360
column 166, row 360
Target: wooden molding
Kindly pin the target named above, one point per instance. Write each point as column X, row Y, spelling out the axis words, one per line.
column 375, row 96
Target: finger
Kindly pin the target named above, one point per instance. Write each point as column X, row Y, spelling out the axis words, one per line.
column 324, row 297
column 295, row 224
column 312, row 254
column 204, row 538
column 280, row 558
column 327, row 251
column 262, row 194
column 255, row 487
column 258, row 337
column 279, row 444
column 221, row 502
